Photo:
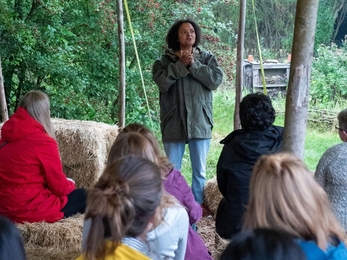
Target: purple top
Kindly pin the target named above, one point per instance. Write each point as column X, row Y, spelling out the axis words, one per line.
column 176, row 185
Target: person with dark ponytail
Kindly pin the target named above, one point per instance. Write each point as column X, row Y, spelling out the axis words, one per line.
column 176, row 185
column 168, row 237
column 122, row 208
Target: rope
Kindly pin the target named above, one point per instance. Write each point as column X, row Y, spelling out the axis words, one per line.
column 138, row 60
column 259, row 49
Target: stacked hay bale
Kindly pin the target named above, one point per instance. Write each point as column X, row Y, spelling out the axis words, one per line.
column 83, row 146
column 206, row 226
column 212, row 195
column 53, row 241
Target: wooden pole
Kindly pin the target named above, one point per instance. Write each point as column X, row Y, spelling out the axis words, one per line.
column 239, row 64
column 122, row 94
column 299, row 80
column 4, row 112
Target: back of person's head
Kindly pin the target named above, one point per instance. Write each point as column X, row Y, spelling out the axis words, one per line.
column 135, row 144
column 172, row 35
column 283, row 195
column 256, row 112
column 122, row 203
column 145, row 132
column 263, row 244
column 342, row 118
column 11, row 242
column 132, row 143
column 37, row 104
column 163, row 161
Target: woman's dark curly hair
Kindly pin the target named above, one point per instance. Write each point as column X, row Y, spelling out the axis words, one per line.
column 256, row 112
column 172, row 35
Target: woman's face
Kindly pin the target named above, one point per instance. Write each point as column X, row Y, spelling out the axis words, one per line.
column 186, row 35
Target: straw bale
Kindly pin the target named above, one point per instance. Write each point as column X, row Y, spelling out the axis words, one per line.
column 212, row 195
column 207, row 231
column 84, row 146
column 59, row 240
column 47, row 253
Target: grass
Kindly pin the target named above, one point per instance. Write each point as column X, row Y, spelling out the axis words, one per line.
column 318, row 139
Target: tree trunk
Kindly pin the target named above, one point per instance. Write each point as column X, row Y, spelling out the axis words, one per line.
column 121, row 110
column 239, row 66
column 4, row 112
column 299, row 80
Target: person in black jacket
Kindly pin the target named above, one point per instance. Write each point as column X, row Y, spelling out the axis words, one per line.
column 241, row 150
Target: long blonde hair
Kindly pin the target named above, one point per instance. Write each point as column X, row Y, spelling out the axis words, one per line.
column 37, row 104
column 285, row 196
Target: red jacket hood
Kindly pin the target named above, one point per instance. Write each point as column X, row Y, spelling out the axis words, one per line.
column 20, row 125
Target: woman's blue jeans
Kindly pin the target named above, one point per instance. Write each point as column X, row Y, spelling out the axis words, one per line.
column 198, row 149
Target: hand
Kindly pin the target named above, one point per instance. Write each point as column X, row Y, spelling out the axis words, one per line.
column 186, row 58
column 69, row 179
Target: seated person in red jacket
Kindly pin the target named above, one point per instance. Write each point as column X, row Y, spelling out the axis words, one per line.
column 33, row 186
column 241, row 150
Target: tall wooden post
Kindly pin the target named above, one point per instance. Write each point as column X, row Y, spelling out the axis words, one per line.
column 299, row 80
column 239, row 65
column 4, row 112
column 122, row 94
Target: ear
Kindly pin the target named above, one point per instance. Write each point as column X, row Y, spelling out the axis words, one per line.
column 343, row 136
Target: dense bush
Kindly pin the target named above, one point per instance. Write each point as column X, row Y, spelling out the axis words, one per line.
column 329, row 77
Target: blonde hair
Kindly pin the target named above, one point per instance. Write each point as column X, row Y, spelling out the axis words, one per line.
column 283, row 195
column 122, row 203
column 37, row 104
column 163, row 162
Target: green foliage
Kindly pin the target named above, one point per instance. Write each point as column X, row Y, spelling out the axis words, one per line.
column 70, row 49
column 325, row 23
column 66, row 48
column 317, row 142
column 328, row 76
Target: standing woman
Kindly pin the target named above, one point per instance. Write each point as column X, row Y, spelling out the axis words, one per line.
column 186, row 76
column 33, row 186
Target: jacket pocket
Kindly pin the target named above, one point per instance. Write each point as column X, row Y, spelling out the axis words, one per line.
column 208, row 114
column 167, row 118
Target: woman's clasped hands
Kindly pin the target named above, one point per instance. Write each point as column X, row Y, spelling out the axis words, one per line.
column 186, row 58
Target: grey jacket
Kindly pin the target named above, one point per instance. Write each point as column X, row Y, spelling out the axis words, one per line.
column 331, row 174
column 186, row 95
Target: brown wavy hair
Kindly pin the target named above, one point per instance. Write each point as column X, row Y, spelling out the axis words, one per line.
column 163, row 162
column 285, row 196
column 122, row 203
column 134, row 144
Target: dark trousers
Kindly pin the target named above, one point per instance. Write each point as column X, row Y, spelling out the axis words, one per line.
column 76, row 202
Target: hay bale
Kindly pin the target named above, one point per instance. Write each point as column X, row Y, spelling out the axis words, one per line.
column 207, row 231
column 212, row 195
column 84, row 146
column 59, row 241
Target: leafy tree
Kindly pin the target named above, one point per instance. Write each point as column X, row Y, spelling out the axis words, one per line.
column 70, row 50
